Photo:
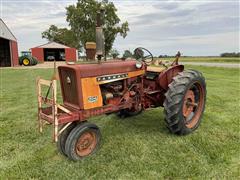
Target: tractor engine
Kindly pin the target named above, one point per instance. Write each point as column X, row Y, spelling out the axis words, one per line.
column 112, row 92
column 87, row 86
column 120, row 91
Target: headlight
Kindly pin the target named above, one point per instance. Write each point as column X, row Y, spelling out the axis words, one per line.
column 68, row 80
column 139, row 64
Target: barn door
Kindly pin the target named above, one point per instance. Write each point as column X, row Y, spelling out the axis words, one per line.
column 5, row 57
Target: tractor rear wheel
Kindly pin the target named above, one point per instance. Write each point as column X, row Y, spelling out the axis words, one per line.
column 185, row 102
column 63, row 137
column 83, row 140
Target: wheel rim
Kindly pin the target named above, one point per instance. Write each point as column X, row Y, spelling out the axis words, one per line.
column 193, row 104
column 25, row 61
column 86, row 143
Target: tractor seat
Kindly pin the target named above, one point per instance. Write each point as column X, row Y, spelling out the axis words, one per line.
column 155, row 69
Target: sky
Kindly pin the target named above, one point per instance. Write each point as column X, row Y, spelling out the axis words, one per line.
column 194, row 27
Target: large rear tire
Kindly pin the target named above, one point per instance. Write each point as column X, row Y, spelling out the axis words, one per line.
column 26, row 61
column 185, row 102
column 83, row 140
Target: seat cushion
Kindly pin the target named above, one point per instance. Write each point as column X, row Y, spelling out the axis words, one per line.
column 156, row 69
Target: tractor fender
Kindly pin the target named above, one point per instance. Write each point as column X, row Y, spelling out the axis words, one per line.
column 166, row 77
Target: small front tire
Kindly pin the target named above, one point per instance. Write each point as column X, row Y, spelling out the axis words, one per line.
column 63, row 138
column 83, row 140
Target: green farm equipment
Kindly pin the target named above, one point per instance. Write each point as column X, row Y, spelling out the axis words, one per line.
column 27, row 59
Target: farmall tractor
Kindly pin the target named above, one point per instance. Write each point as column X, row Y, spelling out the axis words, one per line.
column 124, row 87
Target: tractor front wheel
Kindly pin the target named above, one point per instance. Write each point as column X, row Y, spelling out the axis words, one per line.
column 83, row 140
column 185, row 102
column 63, row 138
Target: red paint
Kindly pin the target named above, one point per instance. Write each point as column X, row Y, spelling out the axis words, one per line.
column 70, row 54
column 14, row 53
column 166, row 77
column 38, row 53
column 76, row 72
column 110, row 67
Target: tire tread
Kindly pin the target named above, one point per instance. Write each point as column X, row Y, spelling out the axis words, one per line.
column 174, row 97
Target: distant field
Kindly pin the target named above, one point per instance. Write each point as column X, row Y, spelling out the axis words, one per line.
column 206, row 59
column 139, row 147
column 191, row 59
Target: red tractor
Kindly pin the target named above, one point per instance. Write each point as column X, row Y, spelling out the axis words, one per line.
column 124, row 87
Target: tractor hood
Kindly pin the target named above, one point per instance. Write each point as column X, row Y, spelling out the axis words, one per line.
column 106, row 68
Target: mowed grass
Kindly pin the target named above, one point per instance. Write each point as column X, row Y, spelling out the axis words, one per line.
column 139, row 147
column 206, row 59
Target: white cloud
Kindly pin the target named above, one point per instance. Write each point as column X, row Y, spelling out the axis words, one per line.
column 162, row 26
column 28, row 19
column 165, row 27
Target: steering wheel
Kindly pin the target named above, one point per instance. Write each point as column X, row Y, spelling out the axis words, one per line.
column 142, row 54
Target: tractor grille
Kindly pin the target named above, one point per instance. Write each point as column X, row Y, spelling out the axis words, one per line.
column 69, row 87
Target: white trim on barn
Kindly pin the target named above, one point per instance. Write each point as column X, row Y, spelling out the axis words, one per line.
column 52, row 45
column 8, row 47
column 5, row 32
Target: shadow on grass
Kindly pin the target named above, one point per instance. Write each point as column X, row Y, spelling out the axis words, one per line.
column 148, row 122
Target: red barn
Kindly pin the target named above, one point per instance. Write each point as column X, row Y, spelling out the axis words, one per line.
column 8, row 47
column 53, row 50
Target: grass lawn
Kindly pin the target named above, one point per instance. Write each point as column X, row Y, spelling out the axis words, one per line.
column 207, row 59
column 135, row 148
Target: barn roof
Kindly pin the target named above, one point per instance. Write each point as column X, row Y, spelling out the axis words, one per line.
column 5, row 32
column 53, row 45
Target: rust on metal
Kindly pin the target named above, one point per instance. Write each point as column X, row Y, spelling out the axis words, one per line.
column 86, row 143
column 94, row 89
column 166, row 77
column 192, row 109
column 175, row 62
column 128, row 86
column 90, row 50
column 189, row 100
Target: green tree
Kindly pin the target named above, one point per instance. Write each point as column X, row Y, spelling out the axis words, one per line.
column 114, row 53
column 127, row 54
column 82, row 21
column 233, row 54
column 61, row 35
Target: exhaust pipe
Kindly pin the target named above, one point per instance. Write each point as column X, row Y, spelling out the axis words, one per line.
column 100, row 47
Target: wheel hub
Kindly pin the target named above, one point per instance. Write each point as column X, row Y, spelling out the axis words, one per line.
column 189, row 103
column 86, row 143
column 25, row 61
column 192, row 105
